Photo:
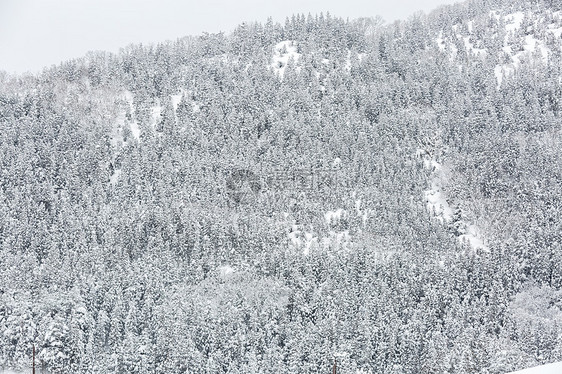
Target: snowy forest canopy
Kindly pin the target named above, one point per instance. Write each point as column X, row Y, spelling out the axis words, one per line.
column 267, row 200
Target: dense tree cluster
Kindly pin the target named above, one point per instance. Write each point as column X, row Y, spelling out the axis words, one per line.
column 150, row 200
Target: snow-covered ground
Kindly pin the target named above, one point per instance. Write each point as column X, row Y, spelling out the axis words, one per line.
column 530, row 43
column 176, row 100
column 348, row 61
column 301, row 239
column 225, row 271
column 554, row 368
column 434, row 196
column 114, row 178
column 135, row 130
column 513, row 21
column 306, row 239
column 470, row 47
column 282, row 53
column 472, row 237
column 156, row 114
column 438, row 204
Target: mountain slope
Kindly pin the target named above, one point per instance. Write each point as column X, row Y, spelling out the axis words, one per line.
column 266, row 200
column 545, row 369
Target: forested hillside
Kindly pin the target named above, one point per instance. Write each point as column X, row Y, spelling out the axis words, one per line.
column 269, row 200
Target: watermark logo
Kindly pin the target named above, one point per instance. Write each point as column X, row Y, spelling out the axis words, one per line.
column 243, row 185
column 301, row 179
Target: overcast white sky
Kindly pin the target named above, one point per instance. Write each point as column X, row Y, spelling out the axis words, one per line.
column 37, row 33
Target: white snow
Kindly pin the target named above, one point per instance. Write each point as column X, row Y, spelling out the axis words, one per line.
column 454, row 51
column 347, row 65
column 499, row 73
column 348, row 61
column 557, row 32
column 362, row 213
column 437, row 204
column 341, row 239
column 364, row 218
column 336, row 162
column 495, row 14
column 513, row 21
column 135, row 130
column 358, row 206
column 294, row 237
column 196, row 107
column 440, row 41
column 531, row 44
column 156, row 114
column 115, row 177
column 282, row 53
column 442, row 45
column 470, row 47
column 553, row 368
column 176, row 100
column 473, row 238
column 306, row 240
column 222, row 58
column 117, row 135
column 301, row 240
column 225, row 270
column 309, row 240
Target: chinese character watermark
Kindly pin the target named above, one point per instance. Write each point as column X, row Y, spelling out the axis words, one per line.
column 242, row 184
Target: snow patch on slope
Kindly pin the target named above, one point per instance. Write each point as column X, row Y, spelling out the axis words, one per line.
column 225, row 271
column 513, row 21
column 117, row 138
column 516, row 46
column 557, row 32
column 195, row 106
column 135, row 130
column 440, row 42
column 554, row 368
column 282, row 53
column 472, row 237
column 302, row 240
column 532, row 43
column 114, row 178
column 347, row 65
column 348, row 61
column 176, row 100
column 470, row 47
column 155, row 114
column 495, row 14
column 438, row 205
column 306, row 240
